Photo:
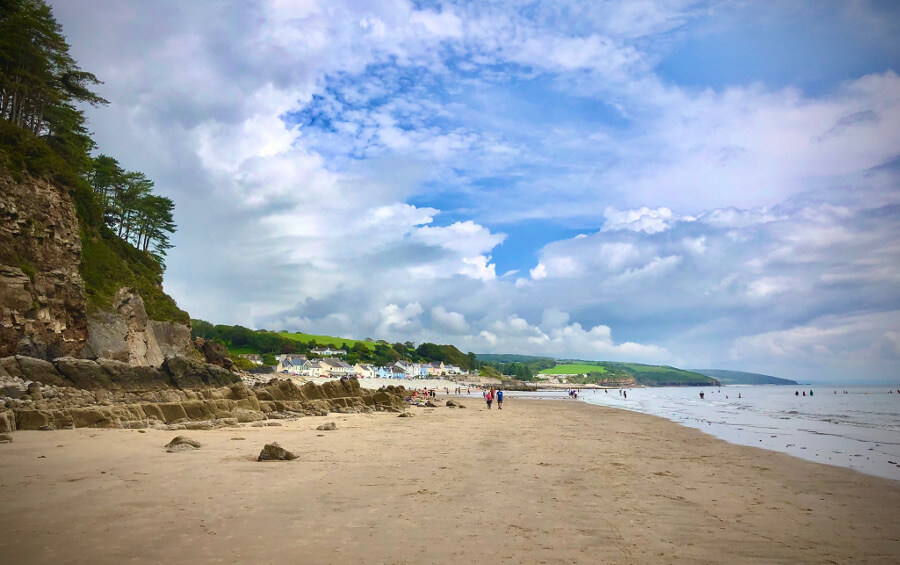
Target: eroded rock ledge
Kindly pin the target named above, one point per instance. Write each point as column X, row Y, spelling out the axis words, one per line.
column 39, row 395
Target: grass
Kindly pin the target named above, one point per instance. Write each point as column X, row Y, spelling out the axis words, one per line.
column 573, row 369
column 326, row 340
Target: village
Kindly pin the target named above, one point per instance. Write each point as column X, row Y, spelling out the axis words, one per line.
column 328, row 364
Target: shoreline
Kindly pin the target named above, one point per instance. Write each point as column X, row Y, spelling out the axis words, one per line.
column 537, row 481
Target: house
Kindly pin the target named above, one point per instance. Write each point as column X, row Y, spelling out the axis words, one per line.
column 383, row 373
column 452, row 370
column 328, row 351
column 254, row 358
column 334, row 367
column 436, row 368
column 364, row 370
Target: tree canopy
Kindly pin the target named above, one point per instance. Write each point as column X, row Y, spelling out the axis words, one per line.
column 41, row 87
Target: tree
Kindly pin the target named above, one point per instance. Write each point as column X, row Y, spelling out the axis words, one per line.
column 40, row 82
column 490, row 372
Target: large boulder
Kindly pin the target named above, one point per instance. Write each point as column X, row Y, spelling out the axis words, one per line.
column 84, row 373
column 274, row 452
column 134, row 377
column 214, row 352
column 32, row 369
column 189, row 373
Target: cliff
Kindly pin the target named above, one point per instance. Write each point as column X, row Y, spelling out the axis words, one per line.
column 68, row 285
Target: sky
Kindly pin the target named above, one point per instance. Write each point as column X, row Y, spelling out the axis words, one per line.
column 703, row 184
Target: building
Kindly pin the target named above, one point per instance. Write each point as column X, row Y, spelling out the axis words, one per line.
column 327, row 351
column 254, row 358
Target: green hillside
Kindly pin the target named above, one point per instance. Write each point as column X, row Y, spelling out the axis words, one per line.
column 743, row 378
column 328, row 340
column 647, row 375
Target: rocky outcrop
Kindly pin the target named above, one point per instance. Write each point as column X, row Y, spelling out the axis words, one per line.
column 127, row 334
column 274, row 452
column 42, row 298
column 45, row 407
column 214, row 352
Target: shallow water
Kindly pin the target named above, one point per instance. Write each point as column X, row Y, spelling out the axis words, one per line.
column 859, row 430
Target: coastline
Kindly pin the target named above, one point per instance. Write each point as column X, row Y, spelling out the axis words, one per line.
column 538, row 481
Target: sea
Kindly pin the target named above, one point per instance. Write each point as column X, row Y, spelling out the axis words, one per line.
column 859, row 429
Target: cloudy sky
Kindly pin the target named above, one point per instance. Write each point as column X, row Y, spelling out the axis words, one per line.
column 703, row 184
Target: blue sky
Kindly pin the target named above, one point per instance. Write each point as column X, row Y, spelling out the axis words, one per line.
column 702, row 184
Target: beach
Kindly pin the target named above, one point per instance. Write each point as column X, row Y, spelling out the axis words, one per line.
column 538, row 482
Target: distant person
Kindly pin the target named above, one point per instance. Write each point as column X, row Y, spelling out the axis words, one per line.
column 489, row 397
column 625, row 394
column 804, row 393
column 701, row 395
column 499, row 399
column 739, row 395
column 810, row 392
column 796, row 393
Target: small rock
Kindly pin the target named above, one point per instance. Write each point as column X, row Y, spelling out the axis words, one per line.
column 328, row 426
column 270, row 424
column 5, row 438
column 238, row 438
column 181, row 443
column 405, row 415
column 274, row 452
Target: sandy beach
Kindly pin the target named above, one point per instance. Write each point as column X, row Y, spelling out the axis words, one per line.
column 539, row 482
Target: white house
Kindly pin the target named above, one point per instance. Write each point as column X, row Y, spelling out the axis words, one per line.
column 328, row 351
column 336, row 368
column 252, row 357
column 365, row 371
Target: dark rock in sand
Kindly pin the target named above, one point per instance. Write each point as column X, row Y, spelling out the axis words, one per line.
column 274, row 452
column 5, row 438
column 327, row 426
column 181, row 443
column 405, row 415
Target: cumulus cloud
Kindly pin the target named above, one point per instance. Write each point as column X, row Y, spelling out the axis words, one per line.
column 349, row 167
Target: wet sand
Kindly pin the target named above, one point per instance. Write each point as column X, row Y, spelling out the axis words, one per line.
column 539, row 482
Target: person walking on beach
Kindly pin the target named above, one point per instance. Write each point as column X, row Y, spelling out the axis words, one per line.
column 489, row 397
column 499, row 399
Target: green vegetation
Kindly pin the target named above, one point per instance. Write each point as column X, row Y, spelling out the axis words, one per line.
column 326, row 340
column 743, row 378
column 240, row 340
column 573, row 369
column 124, row 228
column 521, row 367
column 599, row 372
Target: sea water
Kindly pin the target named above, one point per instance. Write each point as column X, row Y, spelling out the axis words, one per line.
column 859, row 430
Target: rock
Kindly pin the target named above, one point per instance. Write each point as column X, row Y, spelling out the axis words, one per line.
column 214, row 352
column 458, row 405
column 5, row 438
column 274, row 452
column 327, row 426
column 405, row 415
column 181, row 443
column 34, row 391
column 42, row 298
column 32, row 369
column 124, row 333
column 238, row 438
column 133, row 377
column 84, row 373
column 190, row 373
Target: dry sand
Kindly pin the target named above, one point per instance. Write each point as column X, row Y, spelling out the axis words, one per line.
column 539, row 482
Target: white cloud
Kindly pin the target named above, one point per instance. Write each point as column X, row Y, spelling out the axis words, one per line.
column 453, row 322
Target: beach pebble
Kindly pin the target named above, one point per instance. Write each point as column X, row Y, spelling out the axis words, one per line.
column 181, row 443
column 274, row 452
column 327, row 426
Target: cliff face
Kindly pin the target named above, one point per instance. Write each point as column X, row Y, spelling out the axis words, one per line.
column 44, row 312
column 42, row 298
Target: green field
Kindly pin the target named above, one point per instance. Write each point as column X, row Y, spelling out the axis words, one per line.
column 573, row 369
column 322, row 340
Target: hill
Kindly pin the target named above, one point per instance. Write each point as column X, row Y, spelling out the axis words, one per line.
column 646, row 375
column 743, row 378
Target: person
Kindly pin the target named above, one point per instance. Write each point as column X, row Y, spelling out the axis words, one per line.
column 625, row 394
column 796, row 393
column 810, row 392
column 499, row 399
column 489, row 397
column 739, row 395
column 701, row 395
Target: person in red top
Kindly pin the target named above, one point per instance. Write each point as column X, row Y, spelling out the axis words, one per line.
column 489, row 397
